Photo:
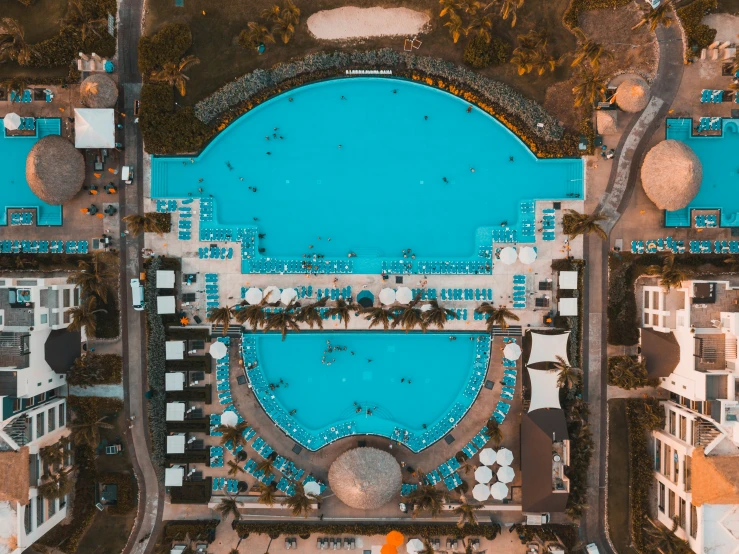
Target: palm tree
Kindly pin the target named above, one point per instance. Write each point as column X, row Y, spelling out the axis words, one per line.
column 427, row 498
column 89, row 433
column 310, row 314
column 465, row 467
column 234, row 468
column 13, row 45
column 521, row 58
column 449, row 7
column 273, row 12
column 55, row 485
column 467, row 513
column 509, row 8
column 77, row 17
column 147, row 223
column 428, row 548
column 284, row 27
column 377, row 315
column 283, row 320
column 627, row 372
column 173, row 73
column 575, row 224
column 669, row 275
column 266, row 465
column 301, row 503
column 254, row 35
column 266, row 494
column 253, row 314
column 437, row 315
column 84, row 316
column 343, row 310
column 493, row 432
column 94, row 276
column 456, row 27
column 542, row 61
column 568, row 375
column 654, row 17
column 496, row 316
column 221, row 316
column 291, row 12
column 590, row 51
column 233, row 434
column 661, row 539
column 482, row 23
column 410, row 316
column 55, row 454
column 229, row 505
column 590, row 88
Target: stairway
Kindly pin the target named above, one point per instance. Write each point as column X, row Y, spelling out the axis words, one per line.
column 706, row 433
column 19, row 430
column 730, row 348
column 510, row 331
column 233, row 331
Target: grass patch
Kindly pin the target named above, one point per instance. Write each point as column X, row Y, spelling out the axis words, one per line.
column 96, row 369
column 618, row 477
column 41, row 20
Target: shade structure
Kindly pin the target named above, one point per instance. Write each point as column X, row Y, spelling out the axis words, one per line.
column 389, row 549
column 547, row 348
column 414, row 545
column 387, row 296
column 218, row 350
column 499, row 491
column 505, row 474
column 174, row 350
column 94, row 128
column 288, row 295
column 487, row 456
column 632, row 95
column 312, row 488
column 176, row 444
column 253, row 296
column 508, row 255
column 272, row 294
column 568, row 280
column 671, row 175
column 512, row 351
column 174, row 381
column 175, row 411
column 395, row 538
column 483, row 474
column 165, row 279
column 166, row 305
column 55, row 170
column 173, row 476
column 567, row 307
column 527, row 255
column 230, row 418
column 98, row 91
column 11, row 121
column 504, row 457
column 365, row 478
column 366, row 299
column 403, row 295
column 481, row 492
column 544, row 389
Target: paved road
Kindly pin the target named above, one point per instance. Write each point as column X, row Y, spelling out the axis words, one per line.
column 630, row 152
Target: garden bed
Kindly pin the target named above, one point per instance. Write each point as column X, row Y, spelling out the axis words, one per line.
column 619, row 527
column 188, row 333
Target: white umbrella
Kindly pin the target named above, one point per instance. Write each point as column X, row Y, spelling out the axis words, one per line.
column 218, row 350
column 414, row 545
column 312, row 488
column 253, row 295
column 508, row 255
column 272, row 294
column 504, row 457
column 288, row 295
column 229, row 418
column 12, row 121
column 483, row 474
column 527, row 255
column 505, row 474
column 499, row 490
column 387, row 296
column 512, row 351
column 487, row 456
column 403, row 295
column 480, row 492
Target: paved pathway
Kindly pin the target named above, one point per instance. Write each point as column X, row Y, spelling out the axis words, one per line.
column 107, row 391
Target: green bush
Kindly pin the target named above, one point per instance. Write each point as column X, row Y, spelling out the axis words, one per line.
column 156, row 98
column 623, row 327
column 635, row 378
column 480, row 54
column 41, row 262
column 125, row 483
column 166, row 45
column 195, row 529
column 572, row 13
column 96, row 369
column 698, row 34
column 167, row 132
column 487, row 530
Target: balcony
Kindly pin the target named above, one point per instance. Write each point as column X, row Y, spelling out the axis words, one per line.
column 17, row 307
column 14, row 349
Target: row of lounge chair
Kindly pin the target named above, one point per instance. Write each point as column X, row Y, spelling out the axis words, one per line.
column 212, row 298
column 548, row 224
column 215, row 253
column 231, row 486
column 466, row 294
column 658, row 245
column 166, row 206
column 324, row 543
column 274, row 266
column 44, row 247
column 706, row 221
column 712, row 96
column 206, row 209
column 519, row 292
column 26, row 96
column 709, row 124
column 21, row 218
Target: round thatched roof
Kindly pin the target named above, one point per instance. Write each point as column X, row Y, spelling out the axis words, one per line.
column 606, row 121
column 55, row 170
column 99, row 91
column 365, row 478
column 671, row 175
column 632, row 95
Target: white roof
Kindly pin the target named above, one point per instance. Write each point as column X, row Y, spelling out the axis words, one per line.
column 568, row 279
column 568, row 306
column 94, row 128
column 173, row 476
column 720, row 525
column 176, row 444
column 174, row 349
column 174, row 381
column 165, row 279
column 544, row 389
column 165, row 305
column 546, row 348
column 176, row 411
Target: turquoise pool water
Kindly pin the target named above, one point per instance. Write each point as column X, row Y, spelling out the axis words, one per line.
column 415, row 389
column 15, row 190
column 720, row 171
column 365, row 167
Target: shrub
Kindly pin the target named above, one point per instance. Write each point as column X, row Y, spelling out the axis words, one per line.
column 155, row 370
column 635, row 378
column 41, row 262
column 156, row 98
column 699, row 35
column 166, row 131
column 166, row 45
column 581, row 450
column 487, row 530
column 192, row 363
column 96, row 369
column 195, row 529
column 125, row 484
column 480, row 54
column 623, row 328
column 570, row 18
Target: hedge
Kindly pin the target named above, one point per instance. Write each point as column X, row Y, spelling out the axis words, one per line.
column 165, row 46
column 570, row 18
column 192, row 394
column 96, row 369
column 126, row 494
column 581, row 450
column 155, row 370
column 192, row 425
column 189, row 457
column 192, row 492
column 195, row 529
column 189, row 333
column 273, row 530
column 42, row 262
column 699, row 35
column 480, row 54
column 191, row 363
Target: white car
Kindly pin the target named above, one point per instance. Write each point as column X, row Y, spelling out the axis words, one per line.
column 592, row 549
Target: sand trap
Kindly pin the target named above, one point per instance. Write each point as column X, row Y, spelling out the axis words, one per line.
column 726, row 26
column 353, row 23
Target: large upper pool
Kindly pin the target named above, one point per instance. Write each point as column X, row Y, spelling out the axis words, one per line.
column 319, row 387
column 369, row 166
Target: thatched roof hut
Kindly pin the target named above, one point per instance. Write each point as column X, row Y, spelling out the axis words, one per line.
column 14, row 467
column 632, row 95
column 99, row 91
column 606, row 121
column 671, row 175
column 365, row 478
column 55, row 170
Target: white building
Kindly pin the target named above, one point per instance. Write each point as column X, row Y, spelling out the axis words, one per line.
column 36, row 350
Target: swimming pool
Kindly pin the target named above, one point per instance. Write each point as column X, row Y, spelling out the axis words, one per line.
column 369, row 166
column 718, row 158
column 320, row 387
column 16, row 192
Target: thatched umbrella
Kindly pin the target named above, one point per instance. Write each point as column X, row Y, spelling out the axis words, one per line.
column 365, row 478
column 632, row 95
column 671, row 175
column 55, row 170
column 99, row 91
column 606, row 121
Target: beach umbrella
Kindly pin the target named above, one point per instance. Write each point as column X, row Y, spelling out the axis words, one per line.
column 218, row 350
column 512, row 351
column 312, row 488
column 505, row 474
column 272, row 294
column 229, row 418
column 388, row 549
column 414, row 545
column 499, row 490
column 254, row 295
column 504, row 457
column 387, row 296
column 481, row 492
column 527, row 255
column 487, row 456
column 403, row 295
column 288, row 295
column 395, row 538
column 12, row 121
column 483, row 474
column 508, row 255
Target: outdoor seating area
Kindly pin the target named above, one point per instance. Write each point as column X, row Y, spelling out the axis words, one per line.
column 678, row 247
column 708, row 124
column 44, row 247
column 706, row 221
column 519, row 292
column 712, row 96
column 658, row 245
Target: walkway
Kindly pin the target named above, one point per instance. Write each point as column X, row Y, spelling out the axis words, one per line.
column 107, row 391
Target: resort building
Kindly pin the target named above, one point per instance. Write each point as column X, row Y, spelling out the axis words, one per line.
column 36, row 350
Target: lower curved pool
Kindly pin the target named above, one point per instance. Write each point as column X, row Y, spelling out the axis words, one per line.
column 412, row 388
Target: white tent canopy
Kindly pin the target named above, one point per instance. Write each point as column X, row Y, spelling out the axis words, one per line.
column 165, row 279
column 387, row 296
column 414, row 545
column 546, row 348
column 176, row 444
column 505, row 474
column 568, row 280
column 487, row 456
column 176, row 411
column 174, row 350
column 173, row 476
column 174, row 381
column 504, row 457
column 481, row 492
column 312, row 488
column 254, row 295
column 94, row 128
column 568, row 306
column 544, row 389
column 218, row 350
column 499, row 490
column 512, row 351
column 527, row 255
column 230, row 418
column 508, row 255
column 403, row 295
column 483, row 474
column 288, row 295
column 165, row 305
column 11, row 121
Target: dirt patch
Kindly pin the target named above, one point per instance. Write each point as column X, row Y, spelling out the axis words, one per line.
column 560, row 102
column 726, row 25
column 353, row 23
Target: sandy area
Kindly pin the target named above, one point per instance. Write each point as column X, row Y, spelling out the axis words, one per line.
column 353, row 23
column 726, row 25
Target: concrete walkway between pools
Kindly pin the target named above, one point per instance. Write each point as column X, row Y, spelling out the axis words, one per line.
column 107, row 391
